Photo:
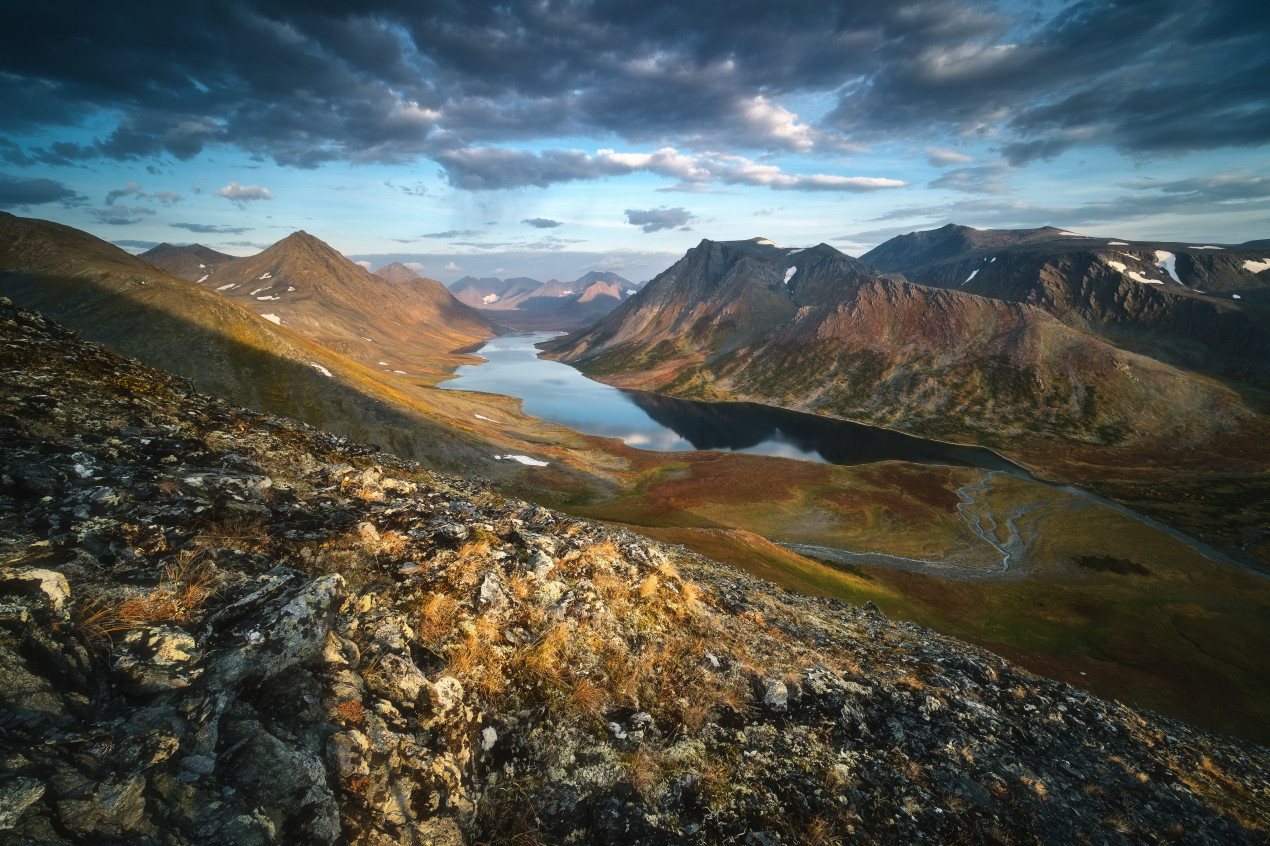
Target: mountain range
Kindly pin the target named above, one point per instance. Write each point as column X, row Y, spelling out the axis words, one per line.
column 1191, row 305
column 320, row 340
column 535, row 306
column 816, row 330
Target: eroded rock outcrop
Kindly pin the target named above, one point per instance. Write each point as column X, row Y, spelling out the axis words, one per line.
column 220, row 627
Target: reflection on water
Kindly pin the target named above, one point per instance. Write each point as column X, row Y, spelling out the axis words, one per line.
column 558, row 393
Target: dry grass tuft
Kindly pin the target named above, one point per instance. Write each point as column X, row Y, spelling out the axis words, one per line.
column 188, row 582
column 436, row 618
column 245, row 533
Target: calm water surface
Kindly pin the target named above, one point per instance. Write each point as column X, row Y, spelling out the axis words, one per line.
column 558, row 393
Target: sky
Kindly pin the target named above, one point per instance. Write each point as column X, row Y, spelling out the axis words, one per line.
column 547, row 139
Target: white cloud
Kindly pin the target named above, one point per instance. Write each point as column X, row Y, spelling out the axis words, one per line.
column 942, row 157
column 243, row 193
column 478, row 168
column 453, row 268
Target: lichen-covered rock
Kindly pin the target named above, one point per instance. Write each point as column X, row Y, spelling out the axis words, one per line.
column 281, row 624
column 156, row 659
column 50, row 586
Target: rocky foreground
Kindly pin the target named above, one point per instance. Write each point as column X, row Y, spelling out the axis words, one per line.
column 221, row 627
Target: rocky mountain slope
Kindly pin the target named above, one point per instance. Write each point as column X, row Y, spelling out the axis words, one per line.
column 302, row 283
column 221, row 627
column 816, row 330
column 1202, row 306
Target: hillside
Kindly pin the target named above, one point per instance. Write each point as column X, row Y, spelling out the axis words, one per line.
column 223, row 627
column 133, row 307
column 1200, row 306
column 816, row 330
column 194, row 262
column 302, row 283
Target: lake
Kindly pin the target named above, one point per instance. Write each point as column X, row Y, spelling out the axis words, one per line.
column 556, row 392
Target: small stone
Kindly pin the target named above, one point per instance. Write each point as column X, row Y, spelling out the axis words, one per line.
column 199, row 764
column 776, row 698
column 16, row 796
column 52, row 586
column 447, row 694
column 540, row 564
column 489, row 736
column 368, row 532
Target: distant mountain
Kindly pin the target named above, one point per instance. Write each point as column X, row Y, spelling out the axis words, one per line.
column 1196, row 305
column 492, row 292
column 304, row 284
column 189, row 262
column 531, row 305
column 817, row 330
column 397, row 272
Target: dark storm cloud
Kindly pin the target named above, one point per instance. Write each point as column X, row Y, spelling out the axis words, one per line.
column 208, row 229
column 1157, row 77
column 542, row 222
column 655, row 220
column 305, row 83
column 16, row 192
column 1213, row 193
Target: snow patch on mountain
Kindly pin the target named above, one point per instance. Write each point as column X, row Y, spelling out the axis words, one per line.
column 1132, row 274
column 1257, row 266
column 320, row 369
column 523, row 459
column 273, row 318
column 1167, row 262
column 202, row 279
column 972, row 275
column 789, row 274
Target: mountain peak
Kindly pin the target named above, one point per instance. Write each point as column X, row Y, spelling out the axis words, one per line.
column 397, row 272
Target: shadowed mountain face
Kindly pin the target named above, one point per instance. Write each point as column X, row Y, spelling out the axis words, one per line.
column 193, row 262
column 1203, row 306
column 817, row 330
column 305, row 285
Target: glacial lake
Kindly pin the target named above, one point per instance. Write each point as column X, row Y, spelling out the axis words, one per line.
column 556, row 392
